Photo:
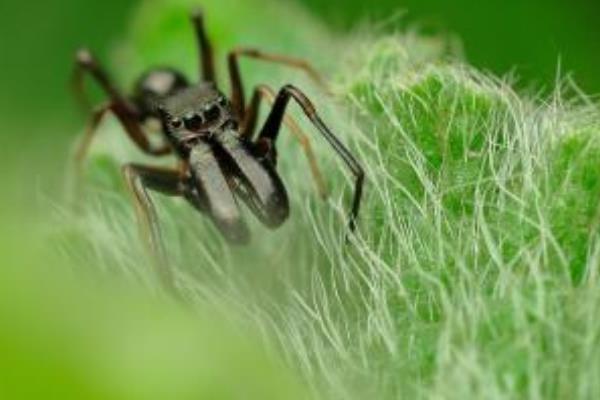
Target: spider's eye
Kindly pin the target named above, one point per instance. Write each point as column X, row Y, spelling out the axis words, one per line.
column 176, row 123
column 193, row 122
column 213, row 113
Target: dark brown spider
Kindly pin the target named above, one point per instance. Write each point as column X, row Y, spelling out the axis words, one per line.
column 212, row 137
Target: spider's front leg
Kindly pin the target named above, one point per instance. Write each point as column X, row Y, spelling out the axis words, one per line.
column 85, row 63
column 205, row 48
column 272, row 126
column 203, row 184
column 140, row 178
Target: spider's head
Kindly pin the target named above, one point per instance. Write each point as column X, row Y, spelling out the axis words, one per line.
column 200, row 109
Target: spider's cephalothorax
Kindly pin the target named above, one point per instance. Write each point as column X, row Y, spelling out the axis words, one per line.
column 197, row 112
column 221, row 166
column 213, row 137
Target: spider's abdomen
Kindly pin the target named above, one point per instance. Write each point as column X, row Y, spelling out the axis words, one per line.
column 155, row 86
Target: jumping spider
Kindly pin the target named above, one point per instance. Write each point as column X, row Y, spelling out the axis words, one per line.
column 212, row 137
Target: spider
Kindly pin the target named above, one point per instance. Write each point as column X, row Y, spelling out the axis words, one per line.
column 212, row 137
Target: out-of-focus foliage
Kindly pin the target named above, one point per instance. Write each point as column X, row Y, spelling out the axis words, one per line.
column 529, row 36
column 66, row 337
column 38, row 43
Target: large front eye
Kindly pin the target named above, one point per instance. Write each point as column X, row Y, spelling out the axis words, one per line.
column 213, row 113
column 176, row 123
column 193, row 122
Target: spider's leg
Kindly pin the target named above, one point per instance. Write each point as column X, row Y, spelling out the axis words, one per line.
column 85, row 63
column 140, row 178
column 206, row 51
column 249, row 126
column 86, row 140
column 272, row 126
column 118, row 105
column 237, row 87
